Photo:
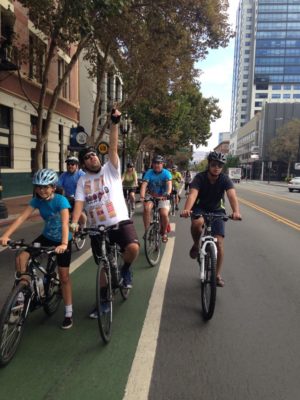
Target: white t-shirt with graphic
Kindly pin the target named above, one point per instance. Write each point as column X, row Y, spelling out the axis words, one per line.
column 103, row 196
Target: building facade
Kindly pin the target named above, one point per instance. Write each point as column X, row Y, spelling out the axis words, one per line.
column 19, row 90
column 266, row 58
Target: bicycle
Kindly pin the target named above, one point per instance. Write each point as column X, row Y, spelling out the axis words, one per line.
column 78, row 240
column 129, row 203
column 207, row 260
column 42, row 289
column 173, row 201
column 152, row 237
column 108, row 278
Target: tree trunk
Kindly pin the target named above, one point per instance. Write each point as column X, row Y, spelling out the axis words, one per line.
column 100, row 75
column 43, row 130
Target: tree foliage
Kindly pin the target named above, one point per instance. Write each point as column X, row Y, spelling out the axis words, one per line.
column 286, row 145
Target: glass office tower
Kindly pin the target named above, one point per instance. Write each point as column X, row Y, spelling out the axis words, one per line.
column 267, row 57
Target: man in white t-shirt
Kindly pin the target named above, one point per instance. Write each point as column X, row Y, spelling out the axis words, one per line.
column 100, row 192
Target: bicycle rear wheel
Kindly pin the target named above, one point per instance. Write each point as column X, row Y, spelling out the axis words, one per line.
column 173, row 205
column 152, row 245
column 209, row 284
column 123, row 290
column 104, row 299
column 12, row 320
column 53, row 292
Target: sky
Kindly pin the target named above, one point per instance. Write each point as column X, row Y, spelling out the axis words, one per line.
column 216, row 80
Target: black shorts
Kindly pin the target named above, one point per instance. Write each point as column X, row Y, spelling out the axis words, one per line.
column 124, row 235
column 218, row 225
column 64, row 259
column 130, row 190
column 186, row 186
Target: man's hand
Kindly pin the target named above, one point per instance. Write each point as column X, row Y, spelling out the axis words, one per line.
column 115, row 116
column 236, row 216
column 4, row 240
column 185, row 213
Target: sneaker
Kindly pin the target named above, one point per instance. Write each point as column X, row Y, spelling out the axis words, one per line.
column 194, row 252
column 164, row 238
column 176, row 208
column 127, row 278
column 94, row 314
column 67, row 323
column 104, row 310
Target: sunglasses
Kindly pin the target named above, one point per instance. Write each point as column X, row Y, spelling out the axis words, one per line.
column 215, row 164
column 43, row 186
column 90, row 155
column 71, row 163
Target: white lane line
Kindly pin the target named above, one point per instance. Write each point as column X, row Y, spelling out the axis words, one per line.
column 80, row 260
column 139, row 379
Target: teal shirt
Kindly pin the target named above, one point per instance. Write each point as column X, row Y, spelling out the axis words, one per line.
column 50, row 212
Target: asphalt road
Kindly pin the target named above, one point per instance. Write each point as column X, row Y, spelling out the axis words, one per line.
column 249, row 350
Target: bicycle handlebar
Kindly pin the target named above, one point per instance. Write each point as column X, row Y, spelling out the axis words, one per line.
column 212, row 215
column 18, row 244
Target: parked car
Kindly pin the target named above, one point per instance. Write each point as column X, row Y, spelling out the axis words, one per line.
column 294, row 184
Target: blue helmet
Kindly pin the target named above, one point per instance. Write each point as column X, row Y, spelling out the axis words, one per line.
column 45, row 177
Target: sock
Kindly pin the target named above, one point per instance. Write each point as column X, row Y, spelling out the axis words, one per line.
column 126, row 266
column 69, row 311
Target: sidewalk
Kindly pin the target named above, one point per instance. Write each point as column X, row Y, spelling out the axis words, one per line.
column 271, row 183
column 15, row 205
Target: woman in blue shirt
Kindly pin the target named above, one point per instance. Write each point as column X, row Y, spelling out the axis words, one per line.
column 54, row 209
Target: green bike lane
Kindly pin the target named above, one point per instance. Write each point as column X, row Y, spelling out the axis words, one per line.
column 51, row 363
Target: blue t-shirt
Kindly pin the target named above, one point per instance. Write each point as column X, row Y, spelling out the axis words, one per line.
column 157, row 182
column 50, row 212
column 69, row 182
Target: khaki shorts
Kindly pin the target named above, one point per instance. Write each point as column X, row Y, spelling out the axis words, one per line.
column 164, row 204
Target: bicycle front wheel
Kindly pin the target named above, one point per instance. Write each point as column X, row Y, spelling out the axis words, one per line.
column 209, row 284
column 53, row 293
column 104, row 299
column 152, row 245
column 12, row 320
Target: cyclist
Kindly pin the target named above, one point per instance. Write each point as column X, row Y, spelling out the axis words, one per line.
column 130, row 183
column 54, row 209
column 100, row 192
column 176, row 180
column 158, row 181
column 187, row 181
column 207, row 195
column 68, row 181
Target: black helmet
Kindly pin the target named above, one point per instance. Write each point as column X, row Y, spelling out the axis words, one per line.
column 129, row 165
column 72, row 159
column 85, row 151
column 215, row 156
column 158, row 159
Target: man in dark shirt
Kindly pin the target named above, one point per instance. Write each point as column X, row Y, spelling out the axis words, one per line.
column 207, row 195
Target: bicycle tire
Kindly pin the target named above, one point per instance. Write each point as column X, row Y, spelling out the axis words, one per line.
column 173, row 206
column 123, row 290
column 12, row 319
column 152, row 244
column 209, row 285
column 129, row 208
column 104, row 298
column 53, row 293
column 79, row 242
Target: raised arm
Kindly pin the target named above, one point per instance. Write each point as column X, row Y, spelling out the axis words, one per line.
column 114, row 138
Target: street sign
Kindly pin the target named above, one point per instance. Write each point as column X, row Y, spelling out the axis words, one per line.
column 297, row 166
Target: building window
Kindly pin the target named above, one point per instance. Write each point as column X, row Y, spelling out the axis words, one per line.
column 61, row 68
column 275, row 96
column 37, row 55
column 258, row 104
column 296, row 96
column 5, row 136
column 261, row 95
column 287, row 87
column 276, row 87
column 296, row 87
column 286, row 96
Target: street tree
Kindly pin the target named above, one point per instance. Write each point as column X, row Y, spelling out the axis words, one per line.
column 286, row 145
column 66, row 25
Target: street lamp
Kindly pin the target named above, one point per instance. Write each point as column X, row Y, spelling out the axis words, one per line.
column 125, row 127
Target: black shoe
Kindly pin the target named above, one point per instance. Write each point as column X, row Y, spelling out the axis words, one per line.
column 67, row 323
column 176, row 208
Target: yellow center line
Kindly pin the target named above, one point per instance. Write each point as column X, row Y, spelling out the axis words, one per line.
column 272, row 195
column 277, row 217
